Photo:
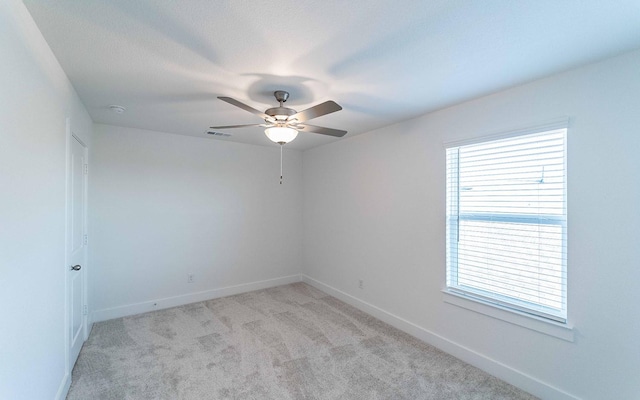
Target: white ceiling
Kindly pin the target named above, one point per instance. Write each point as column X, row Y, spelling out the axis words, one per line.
column 382, row 60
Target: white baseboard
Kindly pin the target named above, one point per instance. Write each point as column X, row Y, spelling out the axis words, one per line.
column 63, row 389
column 495, row 368
column 168, row 302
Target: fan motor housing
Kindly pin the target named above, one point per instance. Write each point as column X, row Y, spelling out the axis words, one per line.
column 280, row 111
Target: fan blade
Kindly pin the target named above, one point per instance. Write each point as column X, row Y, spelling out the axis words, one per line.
column 322, row 130
column 316, row 111
column 233, row 126
column 244, row 107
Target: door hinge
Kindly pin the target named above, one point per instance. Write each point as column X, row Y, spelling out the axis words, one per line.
column 86, row 169
column 85, row 239
column 85, row 310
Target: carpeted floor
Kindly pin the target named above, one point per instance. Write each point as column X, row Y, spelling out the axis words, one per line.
column 288, row 342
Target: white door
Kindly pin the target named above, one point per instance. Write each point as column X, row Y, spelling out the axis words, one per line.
column 77, row 248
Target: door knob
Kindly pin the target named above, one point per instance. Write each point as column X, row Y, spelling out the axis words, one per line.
column 76, row 267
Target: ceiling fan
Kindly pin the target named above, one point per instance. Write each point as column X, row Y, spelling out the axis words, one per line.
column 282, row 123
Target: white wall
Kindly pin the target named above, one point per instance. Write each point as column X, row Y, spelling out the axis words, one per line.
column 35, row 100
column 165, row 206
column 374, row 209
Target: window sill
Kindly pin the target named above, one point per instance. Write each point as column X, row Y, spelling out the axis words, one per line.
column 551, row 328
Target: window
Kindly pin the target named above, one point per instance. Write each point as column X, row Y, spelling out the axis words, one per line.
column 507, row 222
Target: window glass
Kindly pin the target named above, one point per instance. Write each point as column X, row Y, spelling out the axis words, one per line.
column 506, row 222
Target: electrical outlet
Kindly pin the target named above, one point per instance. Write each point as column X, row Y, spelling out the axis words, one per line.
column 190, row 278
column 361, row 284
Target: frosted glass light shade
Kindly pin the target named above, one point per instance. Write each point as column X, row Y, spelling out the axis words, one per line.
column 281, row 134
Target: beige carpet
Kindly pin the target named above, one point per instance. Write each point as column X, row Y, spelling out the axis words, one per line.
column 288, row 342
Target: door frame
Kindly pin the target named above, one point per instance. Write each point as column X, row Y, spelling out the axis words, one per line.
column 70, row 137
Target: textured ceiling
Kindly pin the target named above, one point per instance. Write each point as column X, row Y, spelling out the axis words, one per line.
column 383, row 61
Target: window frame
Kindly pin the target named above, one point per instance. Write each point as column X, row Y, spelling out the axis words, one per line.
column 459, row 295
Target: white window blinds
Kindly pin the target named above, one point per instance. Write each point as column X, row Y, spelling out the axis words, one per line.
column 507, row 222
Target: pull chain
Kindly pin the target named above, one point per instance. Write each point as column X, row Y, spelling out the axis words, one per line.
column 281, row 164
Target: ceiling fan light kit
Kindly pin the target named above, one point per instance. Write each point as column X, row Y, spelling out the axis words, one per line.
column 281, row 134
column 283, row 123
